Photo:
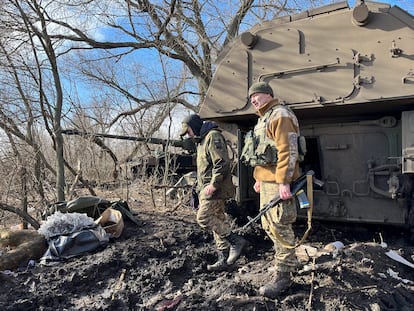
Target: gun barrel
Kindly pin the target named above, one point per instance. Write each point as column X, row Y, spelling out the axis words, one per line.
column 186, row 144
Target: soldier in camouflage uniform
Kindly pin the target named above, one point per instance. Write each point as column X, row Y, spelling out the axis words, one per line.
column 276, row 166
column 214, row 187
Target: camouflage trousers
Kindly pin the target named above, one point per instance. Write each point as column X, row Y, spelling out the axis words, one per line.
column 279, row 218
column 211, row 215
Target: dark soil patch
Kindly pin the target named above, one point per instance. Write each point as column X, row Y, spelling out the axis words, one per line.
column 161, row 265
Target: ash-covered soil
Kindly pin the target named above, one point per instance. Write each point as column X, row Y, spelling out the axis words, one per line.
column 161, row 265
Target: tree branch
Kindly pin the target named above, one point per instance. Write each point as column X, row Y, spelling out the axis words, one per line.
column 20, row 213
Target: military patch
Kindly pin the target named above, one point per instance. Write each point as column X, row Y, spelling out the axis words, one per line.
column 218, row 143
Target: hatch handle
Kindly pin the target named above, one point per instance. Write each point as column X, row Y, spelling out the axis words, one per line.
column 279, row 74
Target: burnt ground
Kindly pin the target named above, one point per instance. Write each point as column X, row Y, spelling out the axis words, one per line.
column 161, row 265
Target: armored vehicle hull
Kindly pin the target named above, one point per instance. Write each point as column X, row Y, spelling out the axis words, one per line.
column 348, row 73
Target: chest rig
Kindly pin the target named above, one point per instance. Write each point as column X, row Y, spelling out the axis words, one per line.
column 259, row 149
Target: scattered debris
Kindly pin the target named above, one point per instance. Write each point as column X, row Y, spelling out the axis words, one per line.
column 161, row 265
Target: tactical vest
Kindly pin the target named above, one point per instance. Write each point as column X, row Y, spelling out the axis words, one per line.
column 259, row 149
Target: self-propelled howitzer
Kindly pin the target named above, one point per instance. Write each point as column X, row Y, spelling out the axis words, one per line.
column 348, row 74
column 180, row 163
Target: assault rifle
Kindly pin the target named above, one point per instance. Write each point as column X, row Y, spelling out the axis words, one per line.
column 296, row 190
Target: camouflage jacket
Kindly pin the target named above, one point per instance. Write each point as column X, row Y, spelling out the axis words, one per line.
column 213, row 163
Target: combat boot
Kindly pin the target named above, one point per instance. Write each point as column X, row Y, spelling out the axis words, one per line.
column 279, row 285
column 220, row 264
column 237, row 243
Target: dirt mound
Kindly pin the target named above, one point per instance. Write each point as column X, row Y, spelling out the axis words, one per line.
column 161, row 265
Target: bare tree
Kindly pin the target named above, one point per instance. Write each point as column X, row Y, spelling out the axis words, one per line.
column 144, row 58
column 34, row 97
column 188, row 33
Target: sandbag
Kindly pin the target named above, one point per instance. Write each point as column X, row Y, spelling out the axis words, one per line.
column 91, row 205
column 67, row 246
column 69, row 235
